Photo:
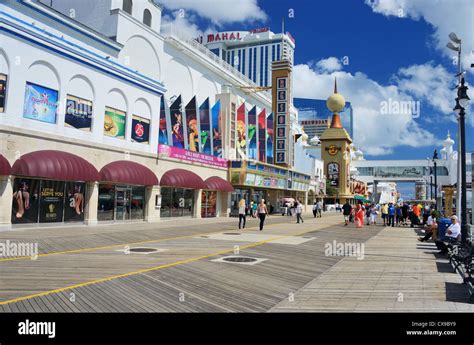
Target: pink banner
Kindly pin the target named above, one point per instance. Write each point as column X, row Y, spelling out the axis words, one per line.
column 165, row 151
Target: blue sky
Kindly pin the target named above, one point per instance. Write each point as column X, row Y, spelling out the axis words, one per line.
column 395, row 50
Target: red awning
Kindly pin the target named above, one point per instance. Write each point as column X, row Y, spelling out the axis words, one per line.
column 55, row 165
column 5, row 168
column 182, row 178
column 128, row 172
column 217, row 183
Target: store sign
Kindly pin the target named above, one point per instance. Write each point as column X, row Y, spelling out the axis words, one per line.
column 51, row 201
column 140, row 129
column 281, row 125
column 41, row 103
column 78, row 113
column 333, row 174
column 3, row 92
column 165, row 151
column 114, row 123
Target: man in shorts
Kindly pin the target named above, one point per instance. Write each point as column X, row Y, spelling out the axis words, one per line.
column 346, row 211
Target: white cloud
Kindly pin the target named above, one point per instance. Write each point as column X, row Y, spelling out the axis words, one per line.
column 219, row 12
column 376, row 133
column 445, row 16
column 330, row 64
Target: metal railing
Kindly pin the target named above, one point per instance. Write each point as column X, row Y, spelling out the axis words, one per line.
column 170, row 31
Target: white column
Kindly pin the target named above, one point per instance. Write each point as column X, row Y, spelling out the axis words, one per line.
column 197, row 203
column 152, row 212
column 92, row 197
column 6, row 197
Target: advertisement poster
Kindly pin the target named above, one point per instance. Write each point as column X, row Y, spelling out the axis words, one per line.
column 3, row 92
column 114, row 123
column 163, row 131
column 74, row 203
column 205, row 123
column 252, row 132
column 193, row 125
column 216, row 130
column 78, row 113
column 177, row 131
column 208, row 204
column 165, row 151
column 41, row 103
column 270, row 138
column 51, row 201
column 140, row 129
column 262, row 135
column 241, row 133
column 25, row 201
column 333, row 174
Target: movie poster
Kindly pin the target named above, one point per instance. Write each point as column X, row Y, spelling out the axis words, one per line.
column 261, row 120
column 25, row 201
column 177, row 131
column 3, row 92
column 163, row 130
column 252, row 133
column 241, row 133
column 114, row 123
column 193, row 125
column 51, row 201
column 78, row 113
column 205, row 127
column 74, row 202
column 270, row 138
column 216, row 130
column 140, row 129
column 41, row 103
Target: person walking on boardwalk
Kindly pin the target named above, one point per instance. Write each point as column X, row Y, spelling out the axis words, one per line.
column 359, row 215
column 346, row 211
column 262, row 213
column 299, row 211
column 319, row 208
column 315, row 209
column 242, row 213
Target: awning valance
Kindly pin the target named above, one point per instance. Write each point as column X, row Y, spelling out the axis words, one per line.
column 55, row 165
column 5, row 168
column 219, row 184
column 182, row 178
column 128, row 172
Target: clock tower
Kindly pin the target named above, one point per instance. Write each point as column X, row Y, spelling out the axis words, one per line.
column 335, row 149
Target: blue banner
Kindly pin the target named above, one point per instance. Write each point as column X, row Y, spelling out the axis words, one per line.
column 216, row 130
column 270, row 138
column 163, row 130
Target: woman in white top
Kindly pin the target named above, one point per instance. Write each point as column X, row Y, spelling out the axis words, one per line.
column 242, row 213
column 262, row 213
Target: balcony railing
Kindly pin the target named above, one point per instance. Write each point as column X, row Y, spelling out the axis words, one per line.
column 170, row 31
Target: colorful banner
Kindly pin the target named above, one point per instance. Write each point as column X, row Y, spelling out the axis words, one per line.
column 165, row 151
column 3, row 91
column 78, row 113
column 177, row 131
column 241, row 133
column 192, row 125
column 205, row 123
column 114, row 123
column 216, row 130
column 252, row 133
column 41, row 103
column 269, row 138
column 261, row 119
column 140, row 130
column 163, row 130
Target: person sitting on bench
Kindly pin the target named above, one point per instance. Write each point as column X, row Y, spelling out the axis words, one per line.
column 431, row 228
column 452, row 234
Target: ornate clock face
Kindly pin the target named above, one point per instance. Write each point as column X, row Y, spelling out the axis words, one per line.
column 332, row 150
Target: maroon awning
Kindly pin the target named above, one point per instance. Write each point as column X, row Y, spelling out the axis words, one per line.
column 182, row 178
column 128, row 172
column 5, row 168
column 55, row 165
column 217, row 183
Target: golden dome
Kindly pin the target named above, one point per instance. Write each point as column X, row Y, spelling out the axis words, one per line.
column 335, row 102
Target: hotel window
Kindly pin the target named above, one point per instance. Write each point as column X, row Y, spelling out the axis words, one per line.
column 254, row 74
column 278, row 52
column 3, row 92
column 273, row 52
column 233, row 57
column 266, row 66
column 250, row 63
column 238, row 60
column 232, row 125
column 261, row 66
column 243, row 61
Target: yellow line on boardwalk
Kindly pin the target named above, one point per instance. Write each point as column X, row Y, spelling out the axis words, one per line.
column 75, row 286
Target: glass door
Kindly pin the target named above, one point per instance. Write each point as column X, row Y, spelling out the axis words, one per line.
column 122, row 204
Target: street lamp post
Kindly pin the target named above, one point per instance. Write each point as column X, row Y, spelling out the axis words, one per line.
column 435, row 158
column 431, row 187
column 461, row 103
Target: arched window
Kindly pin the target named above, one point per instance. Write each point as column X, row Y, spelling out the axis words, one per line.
column 127, row 6
column 147, row 17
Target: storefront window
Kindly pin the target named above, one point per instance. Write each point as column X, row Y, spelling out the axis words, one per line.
column 106, row 202
column 74, row 203
column 25, row 201
column 51, row 201
column 138, row 203
column 208, row 204
column 177, row 202
column 166, row 195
